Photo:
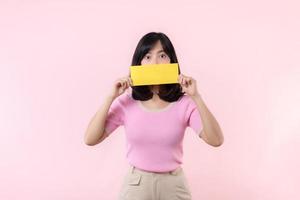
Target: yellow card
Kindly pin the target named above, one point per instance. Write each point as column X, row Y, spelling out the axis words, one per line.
column 154, row 74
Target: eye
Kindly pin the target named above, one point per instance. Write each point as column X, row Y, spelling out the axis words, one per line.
column 147, row 57
column 163, row 55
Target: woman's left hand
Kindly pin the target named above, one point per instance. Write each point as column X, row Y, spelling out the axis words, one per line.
column 188, row 84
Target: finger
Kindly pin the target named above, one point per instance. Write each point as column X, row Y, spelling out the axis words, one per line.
column 188, row 81
column 184, row 81
column 129, row 81
column 181, row 80
column 119, row 83
column 123, row 84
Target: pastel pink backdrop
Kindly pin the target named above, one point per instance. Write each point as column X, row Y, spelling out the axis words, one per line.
column 58, row 58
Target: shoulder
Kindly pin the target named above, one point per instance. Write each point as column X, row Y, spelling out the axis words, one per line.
column 124, row 99
column 186, row 100
column 186, row 105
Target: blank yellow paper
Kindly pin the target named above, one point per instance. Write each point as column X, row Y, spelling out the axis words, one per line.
column 154, row 74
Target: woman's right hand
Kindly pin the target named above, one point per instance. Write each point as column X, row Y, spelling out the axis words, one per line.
column 120, row 85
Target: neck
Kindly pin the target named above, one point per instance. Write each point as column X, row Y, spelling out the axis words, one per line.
column 155, row 90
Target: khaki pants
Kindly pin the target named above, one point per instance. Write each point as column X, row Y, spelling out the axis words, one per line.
column 143, row 185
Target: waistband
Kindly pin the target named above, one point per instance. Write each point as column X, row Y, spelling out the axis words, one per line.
column 176, row 171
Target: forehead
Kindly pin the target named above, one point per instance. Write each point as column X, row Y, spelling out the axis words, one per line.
column 157, row 48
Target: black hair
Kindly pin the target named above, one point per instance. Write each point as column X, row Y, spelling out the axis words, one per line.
column 168, row 92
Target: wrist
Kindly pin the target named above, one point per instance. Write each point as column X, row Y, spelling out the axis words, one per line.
column 196, row 96
column 110, row 97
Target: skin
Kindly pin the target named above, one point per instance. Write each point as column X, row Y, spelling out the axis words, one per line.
column 211, row 132
column 155, row 56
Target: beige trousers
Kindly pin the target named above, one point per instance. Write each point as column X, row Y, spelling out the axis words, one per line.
column 144, row 185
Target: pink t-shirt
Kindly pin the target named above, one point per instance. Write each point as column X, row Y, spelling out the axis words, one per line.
column 153, row 137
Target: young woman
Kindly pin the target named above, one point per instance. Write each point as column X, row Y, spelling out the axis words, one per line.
column 155, row 118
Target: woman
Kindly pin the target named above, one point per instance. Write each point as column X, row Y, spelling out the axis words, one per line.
column 155, row 118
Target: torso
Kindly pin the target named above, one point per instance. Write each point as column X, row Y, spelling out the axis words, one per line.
column 155, row 104
column 154, row 131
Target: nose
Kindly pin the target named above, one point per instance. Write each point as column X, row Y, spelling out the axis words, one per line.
column 156, row 60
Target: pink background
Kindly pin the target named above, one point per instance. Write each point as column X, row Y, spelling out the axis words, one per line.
column 59, row 58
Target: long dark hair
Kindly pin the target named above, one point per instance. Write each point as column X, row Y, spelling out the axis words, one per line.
column 168, row 92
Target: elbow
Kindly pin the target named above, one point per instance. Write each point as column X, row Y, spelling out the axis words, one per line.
column 218, row 143
column 215, row 141
column 92, row 141
column 88, row 142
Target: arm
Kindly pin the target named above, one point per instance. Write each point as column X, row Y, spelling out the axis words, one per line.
column 95, row 132
column 211, row 133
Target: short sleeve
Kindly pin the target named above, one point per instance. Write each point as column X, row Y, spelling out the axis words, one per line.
column 194, row 118
column 115, row 116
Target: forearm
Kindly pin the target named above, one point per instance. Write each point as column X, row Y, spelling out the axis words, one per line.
column 212, row 130
column 96, row 126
